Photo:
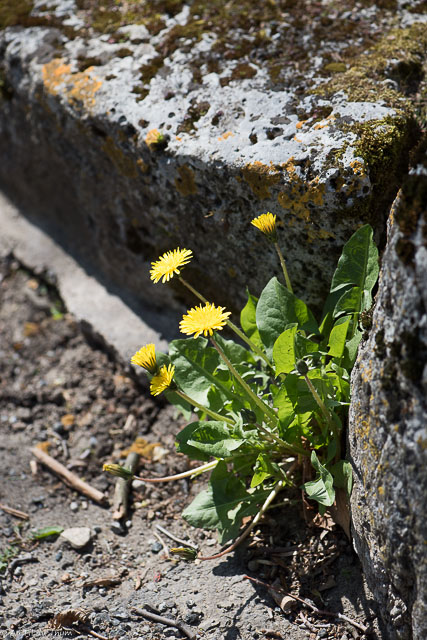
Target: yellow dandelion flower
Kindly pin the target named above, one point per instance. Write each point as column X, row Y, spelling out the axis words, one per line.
column 169, row 263
column 162, row 380
column 204, row 320
column 146, row 358
column 266, row 223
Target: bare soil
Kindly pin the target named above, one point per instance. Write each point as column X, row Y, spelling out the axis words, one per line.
column 59, row 385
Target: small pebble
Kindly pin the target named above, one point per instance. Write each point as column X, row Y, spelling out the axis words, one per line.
column 156, row 547
column 117, row 528
column 84, row 505
column 97, row 529
column 102, row 591
column 74, row 506
column 58, row 556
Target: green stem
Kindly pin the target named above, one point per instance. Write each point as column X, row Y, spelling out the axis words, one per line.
column 326, row 414
column 212, row 414
column 292, row 449
column 269, row 413
column 230, row 324
column 249, row 342
column 186, row 474
column 284, row 269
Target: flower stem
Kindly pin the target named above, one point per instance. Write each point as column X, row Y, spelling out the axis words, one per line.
column 284, row 269
column 292, row 449
column 186, row 474
column 230, row 324
column 269, row 413
column 212, row 414
column 326, row 414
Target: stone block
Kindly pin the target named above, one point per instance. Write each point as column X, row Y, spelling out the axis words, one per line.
column 127, row 133
column 387, row 431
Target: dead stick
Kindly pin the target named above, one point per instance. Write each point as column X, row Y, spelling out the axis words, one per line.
column 321, row 612
column 121, row 494
column 14, row 512
column 68, row 477
column 167, row 621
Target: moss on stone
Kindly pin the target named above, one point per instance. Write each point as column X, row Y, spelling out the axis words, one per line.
column 398, row 56
column 13, row 12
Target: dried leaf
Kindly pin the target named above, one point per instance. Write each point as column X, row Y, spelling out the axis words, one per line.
column 68, row 618
column 33, row 284
column 68, row 419
column 324, row 522
column 44, row 446
column 31, row 329
column 106, row 581
column 141, row 446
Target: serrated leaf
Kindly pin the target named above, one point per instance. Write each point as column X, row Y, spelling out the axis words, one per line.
column 284, row 351
column 264, row 468
column 183, row 447
column 358, row 264
column 277, row 308
column 321, row 488
column 195, row 364
column 214, row 439
column 349, row 302
column 217, row 506
column 337, row 338
column 248, row 320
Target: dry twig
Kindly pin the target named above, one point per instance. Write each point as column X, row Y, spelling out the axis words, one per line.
column 121, row 494
column 68, row 477
column 14, row 512
column 166, row 621
column 320, row 612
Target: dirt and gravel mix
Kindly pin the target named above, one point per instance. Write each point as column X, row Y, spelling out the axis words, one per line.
column 59, row 385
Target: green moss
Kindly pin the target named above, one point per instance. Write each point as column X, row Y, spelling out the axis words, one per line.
column 13, row 12
column 363, row 80
column 335, row 67
column 194, row 113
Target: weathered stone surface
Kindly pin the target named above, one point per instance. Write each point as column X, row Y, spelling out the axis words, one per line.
column 78, row 537
column 388, row 435
column 299, row 108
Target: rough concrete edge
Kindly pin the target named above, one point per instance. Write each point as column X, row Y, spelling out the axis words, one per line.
column 104, row 315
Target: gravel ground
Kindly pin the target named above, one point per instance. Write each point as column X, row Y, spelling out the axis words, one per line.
column 59, row 385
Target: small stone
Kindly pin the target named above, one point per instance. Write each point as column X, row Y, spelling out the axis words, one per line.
column 156, row 547
column 78, row 537
column 58, row 556
column 117, row 528
column 102, row 591
column 74, row 506
column 84, row 505
column 21, row 611
column 97, row 529
column 191, row 618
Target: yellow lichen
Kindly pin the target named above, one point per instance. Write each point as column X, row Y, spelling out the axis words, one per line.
column 226, row 135
column 185, row 182
column 77, row 87
column 260, row 177
column 299, row 195
column 123, row 163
